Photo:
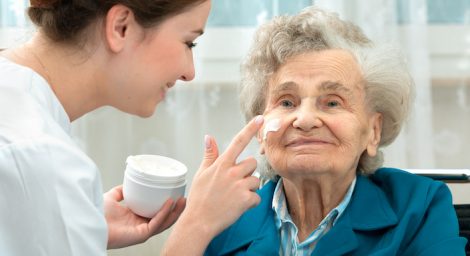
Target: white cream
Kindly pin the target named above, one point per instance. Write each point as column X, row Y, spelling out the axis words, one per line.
column 156, row 166
column 272, row 125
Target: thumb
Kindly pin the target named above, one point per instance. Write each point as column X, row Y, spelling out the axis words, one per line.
column 211, row 152
column 115, row 193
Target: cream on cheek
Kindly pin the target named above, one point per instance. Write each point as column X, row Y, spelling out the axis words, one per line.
column 273, row 151
column 272, row 125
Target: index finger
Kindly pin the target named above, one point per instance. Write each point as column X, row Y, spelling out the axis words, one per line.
column 242, row 139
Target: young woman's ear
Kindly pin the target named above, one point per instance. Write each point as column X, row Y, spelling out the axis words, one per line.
column 119, row 22
column 375, row 134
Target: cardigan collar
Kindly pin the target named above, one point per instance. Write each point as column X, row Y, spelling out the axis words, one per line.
column 365, row 218
column 359, row 216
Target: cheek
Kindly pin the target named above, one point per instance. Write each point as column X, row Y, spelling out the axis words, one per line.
column 277, row 160
column 274, row 149
column 273, row 131
column 169, row 53
column 351, row 133
column 271, row 145
column 161, row 53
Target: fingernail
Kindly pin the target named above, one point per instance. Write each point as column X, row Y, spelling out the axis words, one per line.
column 207, row 142
column 259, row 119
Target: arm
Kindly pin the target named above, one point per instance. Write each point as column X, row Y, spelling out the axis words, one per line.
column 222, row 190
column 439, row 230
column 53, row 197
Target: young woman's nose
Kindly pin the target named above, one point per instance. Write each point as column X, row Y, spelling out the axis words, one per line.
column 189, row 71
column 307, row 118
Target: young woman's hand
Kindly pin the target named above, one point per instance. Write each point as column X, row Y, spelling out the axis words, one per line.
column 221, row 191
column 126, row 228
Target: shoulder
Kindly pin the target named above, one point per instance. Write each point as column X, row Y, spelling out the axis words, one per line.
column 389, row 178
column 15, row 78
column 417, row 199
column 26, row 105
column 45, row 150
column 10, row 69
column 49, row 169
column 407, row 191
column 48, row 163
column 51, row 185
column 398, row 183
column 424, row 209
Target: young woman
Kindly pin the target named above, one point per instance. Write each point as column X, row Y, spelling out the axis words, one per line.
column 87, row 54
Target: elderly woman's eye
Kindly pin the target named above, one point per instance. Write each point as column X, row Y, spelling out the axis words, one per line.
column 332, row 104
column 287, row 103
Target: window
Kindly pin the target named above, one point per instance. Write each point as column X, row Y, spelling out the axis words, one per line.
column 229, row 33
column 14, row 25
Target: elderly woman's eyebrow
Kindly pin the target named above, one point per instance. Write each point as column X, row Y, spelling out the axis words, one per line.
column 285, row 86
column 334, row 86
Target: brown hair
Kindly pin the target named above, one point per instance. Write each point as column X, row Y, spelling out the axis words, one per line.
column 66, row 20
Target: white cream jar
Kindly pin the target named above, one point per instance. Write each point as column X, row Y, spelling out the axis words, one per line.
column 150, row 180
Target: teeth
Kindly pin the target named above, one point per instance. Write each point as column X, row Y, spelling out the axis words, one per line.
column 272, row 125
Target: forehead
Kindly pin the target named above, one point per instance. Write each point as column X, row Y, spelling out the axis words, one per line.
column 328, row 69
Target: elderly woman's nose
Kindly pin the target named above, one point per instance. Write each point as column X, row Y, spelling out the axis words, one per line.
column 306, row 118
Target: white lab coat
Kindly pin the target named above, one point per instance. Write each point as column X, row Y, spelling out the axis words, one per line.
column 51, row 201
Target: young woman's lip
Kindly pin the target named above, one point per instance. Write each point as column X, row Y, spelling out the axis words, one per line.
column 164, row 91
column 169, row 85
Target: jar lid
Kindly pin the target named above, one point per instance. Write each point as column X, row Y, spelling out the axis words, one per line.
column 157, row 168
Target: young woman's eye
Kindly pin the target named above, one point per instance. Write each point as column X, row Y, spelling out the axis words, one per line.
column 191, row 44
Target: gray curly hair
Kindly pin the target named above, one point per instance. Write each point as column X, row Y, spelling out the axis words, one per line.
column 388, row 85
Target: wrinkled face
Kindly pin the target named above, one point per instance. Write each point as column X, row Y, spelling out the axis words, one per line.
column 158, row 57
column 325, row 124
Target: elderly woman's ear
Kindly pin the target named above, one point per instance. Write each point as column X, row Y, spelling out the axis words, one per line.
column 375, row 133
column 259, row 137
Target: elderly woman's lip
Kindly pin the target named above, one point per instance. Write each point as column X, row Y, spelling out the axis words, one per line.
column 299, row 142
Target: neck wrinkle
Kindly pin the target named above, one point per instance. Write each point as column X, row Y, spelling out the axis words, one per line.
column 310, row 201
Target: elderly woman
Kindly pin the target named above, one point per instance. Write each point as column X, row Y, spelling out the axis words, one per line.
column 331, row 99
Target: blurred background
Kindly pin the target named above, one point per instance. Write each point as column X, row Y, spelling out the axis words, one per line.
column 434, row 35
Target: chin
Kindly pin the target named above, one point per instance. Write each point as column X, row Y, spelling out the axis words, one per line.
column 144, row 112
column 147, row 114
column 309, row 167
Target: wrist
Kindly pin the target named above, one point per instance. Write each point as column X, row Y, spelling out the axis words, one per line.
column 189, row 230
column 193, row 223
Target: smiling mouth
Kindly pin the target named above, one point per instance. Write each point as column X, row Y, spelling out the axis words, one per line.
column 169, row 85
column 163, row 92
column 307, row 142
